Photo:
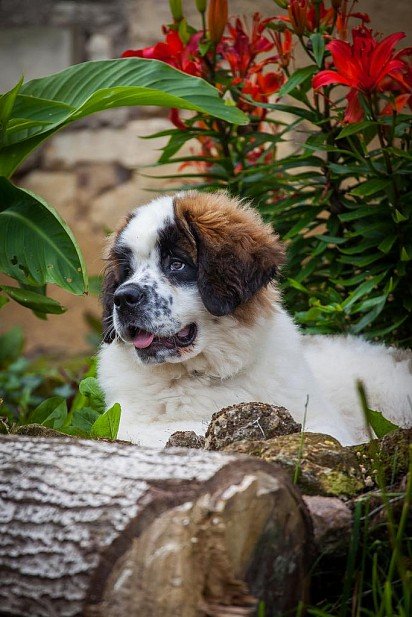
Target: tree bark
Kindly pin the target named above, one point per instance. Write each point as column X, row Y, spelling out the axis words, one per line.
column 111, row 530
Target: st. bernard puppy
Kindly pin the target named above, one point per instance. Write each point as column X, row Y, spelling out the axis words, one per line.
column 193, row 322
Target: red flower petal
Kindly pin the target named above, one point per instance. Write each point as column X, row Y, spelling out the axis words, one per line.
column 175, row 45
column 132, row 53
column 341, row 53
column 325, row 78
column 398, row 104
column 354, row 110
column 383, row 52
column 174, row 117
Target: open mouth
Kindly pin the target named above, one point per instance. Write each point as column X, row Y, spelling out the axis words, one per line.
column 142, row 339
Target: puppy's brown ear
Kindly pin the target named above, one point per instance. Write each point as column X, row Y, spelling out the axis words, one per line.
column 237, row 254
column 231, row 272
column 110, row 284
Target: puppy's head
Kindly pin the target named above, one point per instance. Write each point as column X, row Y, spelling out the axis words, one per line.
column 180, row 264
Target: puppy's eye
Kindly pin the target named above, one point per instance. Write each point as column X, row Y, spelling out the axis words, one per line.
column 176, row 264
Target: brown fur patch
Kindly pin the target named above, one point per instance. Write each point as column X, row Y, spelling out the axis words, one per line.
column 263, row 303
column 237, row 254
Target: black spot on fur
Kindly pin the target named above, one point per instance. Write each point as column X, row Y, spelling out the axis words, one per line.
column 174, row 247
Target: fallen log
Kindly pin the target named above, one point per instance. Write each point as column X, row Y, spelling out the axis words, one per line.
column 111, row 530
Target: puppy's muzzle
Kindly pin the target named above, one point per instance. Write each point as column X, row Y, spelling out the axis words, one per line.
column 129, row 297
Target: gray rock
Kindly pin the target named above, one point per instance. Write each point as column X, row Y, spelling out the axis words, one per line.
column 248, row 421
column 332, row 523
column 185, row 439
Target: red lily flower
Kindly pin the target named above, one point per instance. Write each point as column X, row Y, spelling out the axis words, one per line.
column 173, row 52
column 259, row 87
column 362, row 66
column 240, row 48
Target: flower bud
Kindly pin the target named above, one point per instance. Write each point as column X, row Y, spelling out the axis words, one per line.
column 217, row 19
column 297, row 10
column 176, row 9
column 201, row 5
column 282, row 3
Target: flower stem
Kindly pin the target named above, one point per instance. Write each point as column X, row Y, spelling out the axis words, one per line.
column 384, row 148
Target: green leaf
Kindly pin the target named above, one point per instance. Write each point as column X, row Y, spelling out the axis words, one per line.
column 370, row 187
column 11, row 345
column 331, row 239
column 386, row 244
column 7, row 102
column 318, row 47
column 357, row 127
column 89, row 87
column 381, row 332
column 398, row 217
column 176, row 141
column 380, row 425
column 83, row 419
column 370, row 317
column 74, row 430
column 3, row 301
column 107, row 425
column 36, row 245
column 52, row 413
column 405, row 256
column 301, row 112
column 91, row 390
column 35, row 301
column 296, row 285
column 298, row 77
column 361, row 212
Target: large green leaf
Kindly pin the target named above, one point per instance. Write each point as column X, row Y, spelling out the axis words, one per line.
column 35, row 301
column 36, row 246
column 44, row 105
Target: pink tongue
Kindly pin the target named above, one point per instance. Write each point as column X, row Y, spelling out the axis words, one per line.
column 143, row 339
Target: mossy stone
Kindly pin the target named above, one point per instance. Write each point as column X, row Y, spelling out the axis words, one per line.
column 322, row 466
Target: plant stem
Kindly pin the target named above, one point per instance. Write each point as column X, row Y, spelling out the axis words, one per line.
column 384, row 146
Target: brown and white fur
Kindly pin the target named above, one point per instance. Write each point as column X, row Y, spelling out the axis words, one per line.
column 193, row 323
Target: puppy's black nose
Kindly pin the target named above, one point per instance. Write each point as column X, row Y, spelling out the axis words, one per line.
column 130, row 296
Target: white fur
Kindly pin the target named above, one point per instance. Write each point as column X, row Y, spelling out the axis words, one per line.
column 231, row 363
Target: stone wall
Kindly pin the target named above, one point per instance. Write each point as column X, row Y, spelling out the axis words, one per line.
column 95, row 172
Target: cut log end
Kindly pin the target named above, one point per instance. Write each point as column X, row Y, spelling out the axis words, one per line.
column 118, row 530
